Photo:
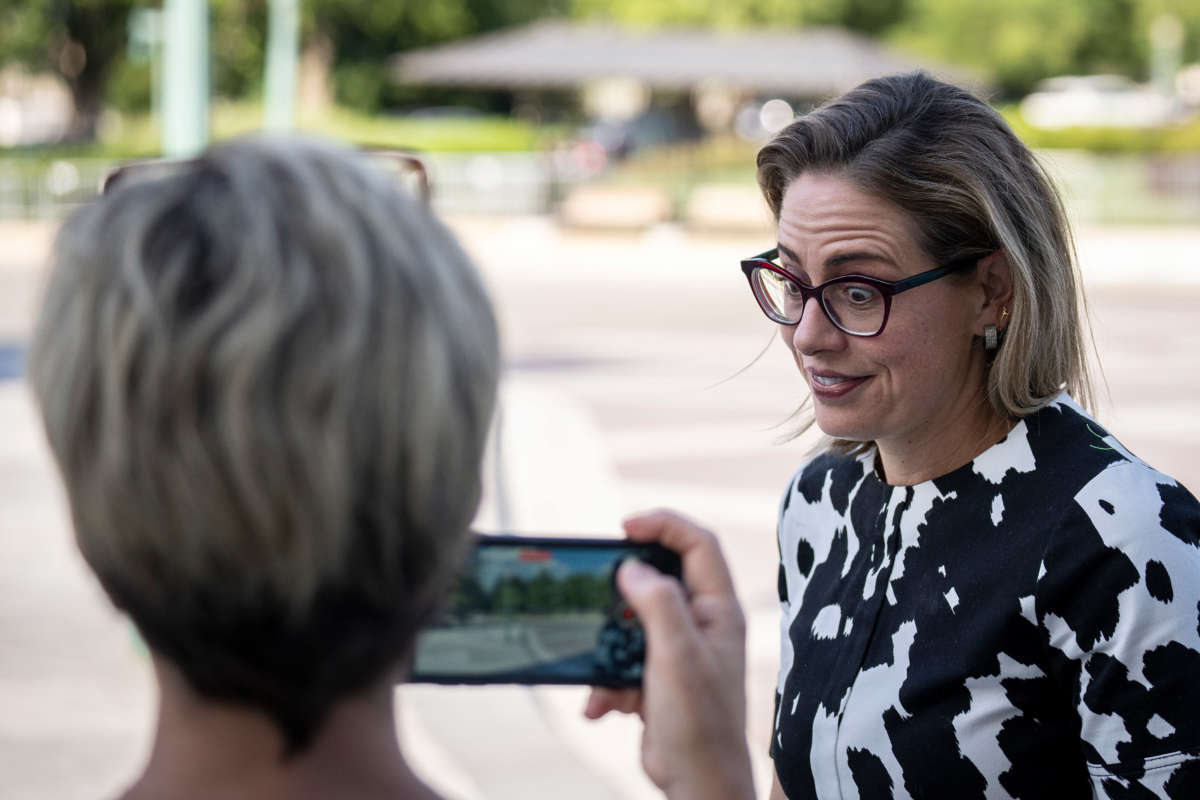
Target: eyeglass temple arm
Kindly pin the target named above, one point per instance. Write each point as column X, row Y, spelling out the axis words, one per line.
column 933, row 274
column 409, row 159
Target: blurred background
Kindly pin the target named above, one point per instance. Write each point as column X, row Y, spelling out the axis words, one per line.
column 597, row 160
column 523, row 105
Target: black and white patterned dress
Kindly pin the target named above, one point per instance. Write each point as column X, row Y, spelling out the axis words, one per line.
column 1026, row 626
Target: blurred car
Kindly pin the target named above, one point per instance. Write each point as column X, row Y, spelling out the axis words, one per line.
column 600, row 144
column 1108, row 100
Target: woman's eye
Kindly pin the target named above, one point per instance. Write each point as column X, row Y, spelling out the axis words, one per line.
column 860, row 295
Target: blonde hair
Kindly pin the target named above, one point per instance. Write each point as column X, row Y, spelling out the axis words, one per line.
column 267, row 380
column 971, row 187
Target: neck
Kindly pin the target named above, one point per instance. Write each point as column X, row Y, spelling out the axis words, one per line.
column 971, row 429
column 208, row 749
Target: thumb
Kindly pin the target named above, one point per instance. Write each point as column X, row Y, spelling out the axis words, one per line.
column 659, row 603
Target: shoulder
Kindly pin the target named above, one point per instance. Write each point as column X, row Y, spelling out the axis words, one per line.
column 1118, row 595
column 1120, row 533
column 1125, row 552
column 1064, row 443
column 1061, row 456
column 1130, row 505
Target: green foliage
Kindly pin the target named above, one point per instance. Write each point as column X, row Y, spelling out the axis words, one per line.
column 365, row 34
column 514, row 594
column 45, row 35
column 1009, row 41
column 1014, row 43
column 130, row 86
column 469, row 595
column 1019, row 42
column 543, row 593
column 136, row 135
column 1186, row 11
column 79, row 41
column 237, row 41
column 870, row 16
column 508, row 596
column 482, row 133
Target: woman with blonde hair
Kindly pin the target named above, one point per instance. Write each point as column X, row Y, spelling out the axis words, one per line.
column 984, row 595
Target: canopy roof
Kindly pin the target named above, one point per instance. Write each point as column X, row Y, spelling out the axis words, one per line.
column 557, row 54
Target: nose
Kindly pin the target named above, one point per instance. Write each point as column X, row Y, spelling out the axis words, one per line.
column 815, row 332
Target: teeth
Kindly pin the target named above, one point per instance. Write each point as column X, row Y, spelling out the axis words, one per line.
column 824, row 381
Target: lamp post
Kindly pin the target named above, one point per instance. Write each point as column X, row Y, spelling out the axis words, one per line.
column 184, row 85
column 283, row 42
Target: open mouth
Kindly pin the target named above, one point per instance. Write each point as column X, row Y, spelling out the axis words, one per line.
column 829, row 386
column 830, row 380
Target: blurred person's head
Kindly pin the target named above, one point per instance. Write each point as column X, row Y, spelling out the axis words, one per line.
column 948, row 170
column 267, row 379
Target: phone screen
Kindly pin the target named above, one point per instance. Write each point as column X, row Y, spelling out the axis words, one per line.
column 540, row 610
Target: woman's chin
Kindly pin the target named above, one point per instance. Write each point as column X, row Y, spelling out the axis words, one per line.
column 838, row 427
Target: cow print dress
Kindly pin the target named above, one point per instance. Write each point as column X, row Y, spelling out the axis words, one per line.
column 1026, row 626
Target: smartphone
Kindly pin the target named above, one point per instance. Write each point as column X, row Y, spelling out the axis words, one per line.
column 536, row 610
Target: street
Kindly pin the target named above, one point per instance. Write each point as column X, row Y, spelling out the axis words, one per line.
column 564, row 643
column 640, row 374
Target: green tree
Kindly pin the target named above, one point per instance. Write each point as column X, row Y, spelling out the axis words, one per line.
column 871, row 16
column 469, row 597
column 364, row 34
column 544, row 592
column 1186, row 11
column 85, row 43
column 80, row 41
column 1019, row 42
column 238, row 44
column 509, row 595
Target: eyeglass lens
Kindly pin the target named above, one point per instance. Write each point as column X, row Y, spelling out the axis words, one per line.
column 857, row 308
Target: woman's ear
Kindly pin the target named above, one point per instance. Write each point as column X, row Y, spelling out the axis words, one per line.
column 995, row 279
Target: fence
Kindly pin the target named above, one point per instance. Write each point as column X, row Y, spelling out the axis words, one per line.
column 1098, row 189
column 488, row 183
column 35, row 190
column 1127, row 188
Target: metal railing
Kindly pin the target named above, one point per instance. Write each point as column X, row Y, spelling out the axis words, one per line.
column 1098, row 189
column 35, row 190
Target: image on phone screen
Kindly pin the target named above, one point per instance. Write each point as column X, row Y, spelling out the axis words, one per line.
column 540, row 610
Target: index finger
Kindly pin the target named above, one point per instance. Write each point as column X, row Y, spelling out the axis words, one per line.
column 704, row 568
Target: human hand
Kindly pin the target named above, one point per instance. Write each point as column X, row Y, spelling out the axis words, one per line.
column 693, row 695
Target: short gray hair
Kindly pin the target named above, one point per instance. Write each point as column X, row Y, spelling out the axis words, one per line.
column 951, row 162
column 267, row 380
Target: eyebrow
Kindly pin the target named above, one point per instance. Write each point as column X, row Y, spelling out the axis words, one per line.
column 840, row 259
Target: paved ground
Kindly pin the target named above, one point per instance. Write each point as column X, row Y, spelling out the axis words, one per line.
column 633, row 382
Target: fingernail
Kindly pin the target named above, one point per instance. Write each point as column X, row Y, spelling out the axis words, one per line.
column 636, row 571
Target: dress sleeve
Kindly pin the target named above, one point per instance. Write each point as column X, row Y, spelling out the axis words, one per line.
column 784, row 599
column 1118, row 598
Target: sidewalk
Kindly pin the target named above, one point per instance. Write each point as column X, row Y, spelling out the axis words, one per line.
column 545, row 472
column 611, row 403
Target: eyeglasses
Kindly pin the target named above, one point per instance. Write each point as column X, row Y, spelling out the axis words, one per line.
column 856, row 304
column 404, row 168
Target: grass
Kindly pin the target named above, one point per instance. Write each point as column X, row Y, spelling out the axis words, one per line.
column 719, row 159
column 125, row 136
